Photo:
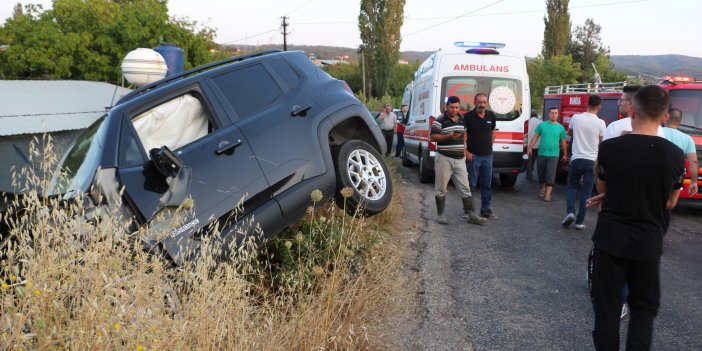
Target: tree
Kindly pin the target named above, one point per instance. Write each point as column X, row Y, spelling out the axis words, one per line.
column 587, row 49
column 88, row 40
column 379, row 22
column 555, row 70
column 556, row 28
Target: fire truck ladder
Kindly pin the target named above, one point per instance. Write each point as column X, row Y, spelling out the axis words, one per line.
column 585, row 88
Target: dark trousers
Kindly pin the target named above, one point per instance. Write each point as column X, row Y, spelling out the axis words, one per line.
column 388, row 134
column 610, row 274
column 531, row 163
column 400, row 144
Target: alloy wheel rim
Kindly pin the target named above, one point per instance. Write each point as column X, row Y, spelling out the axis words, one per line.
column 367, row 175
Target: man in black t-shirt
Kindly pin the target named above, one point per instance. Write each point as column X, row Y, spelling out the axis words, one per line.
column 638, row 177
column 480, row 135
column 449, row 163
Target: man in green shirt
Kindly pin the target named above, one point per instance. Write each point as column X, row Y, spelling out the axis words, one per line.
column 552, row 135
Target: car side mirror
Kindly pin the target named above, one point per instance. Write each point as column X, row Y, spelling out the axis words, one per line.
column 165, row 161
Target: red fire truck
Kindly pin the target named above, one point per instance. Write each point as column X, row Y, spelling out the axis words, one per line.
column 685, row 93
column 571, row 99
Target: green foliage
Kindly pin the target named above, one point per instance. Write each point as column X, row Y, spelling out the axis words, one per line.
column 556, row 28
column 378, row 104
column 587, row 49
column 556, row 70
column 88, row 40
column 400, row 75
column 350, row 73
column 317, row 245
column 379, row 23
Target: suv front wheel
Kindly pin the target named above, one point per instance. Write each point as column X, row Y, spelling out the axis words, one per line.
column 360, row 167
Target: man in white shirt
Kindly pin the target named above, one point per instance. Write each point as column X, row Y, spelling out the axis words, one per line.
column 587, row 130
column 623, row 126
column 534, row 122
column 388, row 123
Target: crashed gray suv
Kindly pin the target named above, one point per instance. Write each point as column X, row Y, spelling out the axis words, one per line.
column 262, row 130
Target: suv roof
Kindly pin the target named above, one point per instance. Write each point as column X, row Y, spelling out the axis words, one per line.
column 199, row 69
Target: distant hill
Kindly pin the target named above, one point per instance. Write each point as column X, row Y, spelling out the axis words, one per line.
column 659, row 65
column 651, row 66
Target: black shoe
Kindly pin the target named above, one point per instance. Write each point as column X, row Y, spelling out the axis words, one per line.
column 488, row 215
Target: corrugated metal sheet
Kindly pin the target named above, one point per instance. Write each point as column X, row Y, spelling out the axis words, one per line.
column 29, row 107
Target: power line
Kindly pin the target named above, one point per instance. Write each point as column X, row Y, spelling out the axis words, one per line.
column 528, row 11
column 410, row 19
column 299, row 7
column 249, row 37
column 454, row 18
column 469, row 14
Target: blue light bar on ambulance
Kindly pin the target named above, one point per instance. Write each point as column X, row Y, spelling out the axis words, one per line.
column 478, row 44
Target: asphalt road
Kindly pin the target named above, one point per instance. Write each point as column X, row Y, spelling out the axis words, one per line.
column 519, row 282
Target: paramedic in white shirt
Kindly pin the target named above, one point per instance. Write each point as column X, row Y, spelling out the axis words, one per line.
column 623, row 126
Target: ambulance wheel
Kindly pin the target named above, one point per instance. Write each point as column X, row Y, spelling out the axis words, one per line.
column 425, row 174
column 360, row 167
column 508, row 179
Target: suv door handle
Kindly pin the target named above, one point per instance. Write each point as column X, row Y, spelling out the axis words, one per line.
column 226, row 147
column 298, row 110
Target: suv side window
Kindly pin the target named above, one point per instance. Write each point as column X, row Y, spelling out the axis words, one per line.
column 174, row 123
column 289, row 76
column 248, row 90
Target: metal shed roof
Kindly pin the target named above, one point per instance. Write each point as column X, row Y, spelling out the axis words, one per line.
column 31, row 106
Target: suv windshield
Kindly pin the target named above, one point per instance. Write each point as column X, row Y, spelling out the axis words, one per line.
column 690, row 103
column 78, row 165
column 504, row 94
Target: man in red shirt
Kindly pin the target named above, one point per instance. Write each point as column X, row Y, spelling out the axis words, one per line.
column 400, row 130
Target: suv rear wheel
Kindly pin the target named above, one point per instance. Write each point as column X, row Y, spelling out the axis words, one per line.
column 360, row 167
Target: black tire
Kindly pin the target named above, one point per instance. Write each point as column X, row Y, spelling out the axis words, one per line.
column 508, row 179
column 405, row 160
column 425, row 174
column 360, row 167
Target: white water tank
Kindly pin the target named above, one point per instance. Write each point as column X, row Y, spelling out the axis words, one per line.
column 143, row 66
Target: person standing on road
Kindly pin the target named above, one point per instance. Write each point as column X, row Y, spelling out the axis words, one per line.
column 534, row 121
column 587, row 130
column 628, row 237
column 449, row 163
column 623, row 126
column 684, row 142
column 551, row 135
column 388, row 123
column 400, row 130
column 479, row 137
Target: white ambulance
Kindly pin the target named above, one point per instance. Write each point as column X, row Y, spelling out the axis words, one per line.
column 464, row 71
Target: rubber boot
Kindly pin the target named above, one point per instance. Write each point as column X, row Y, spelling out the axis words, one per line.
column 440, row 206
column 469, row 212
column 547, row 196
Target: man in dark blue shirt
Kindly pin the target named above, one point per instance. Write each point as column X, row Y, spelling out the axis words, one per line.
column 479, row 137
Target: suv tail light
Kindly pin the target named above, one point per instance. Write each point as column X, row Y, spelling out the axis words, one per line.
column 346, row 86
column 431, row 146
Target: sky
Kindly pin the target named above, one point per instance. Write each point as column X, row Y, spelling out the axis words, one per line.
column 629, row 27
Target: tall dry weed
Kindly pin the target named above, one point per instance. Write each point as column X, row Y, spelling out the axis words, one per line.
column 74, row 283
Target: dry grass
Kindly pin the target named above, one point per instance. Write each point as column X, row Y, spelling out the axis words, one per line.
column 67, row 283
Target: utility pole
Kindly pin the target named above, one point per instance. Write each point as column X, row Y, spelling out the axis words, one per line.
column 284, row 26
column 361, row 51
